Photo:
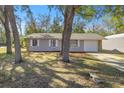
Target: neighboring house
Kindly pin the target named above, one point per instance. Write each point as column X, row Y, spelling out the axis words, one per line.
column 114, row 42
column 88, row 42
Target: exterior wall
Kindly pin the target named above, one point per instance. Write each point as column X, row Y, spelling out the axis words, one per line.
column 91, row 45
column 44, row 46
column 113, row 44
column 80, row 48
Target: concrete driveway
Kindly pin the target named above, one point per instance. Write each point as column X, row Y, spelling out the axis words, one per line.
column 113, row 60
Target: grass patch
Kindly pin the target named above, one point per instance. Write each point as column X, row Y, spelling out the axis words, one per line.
column 44, row 70
column 119, row 55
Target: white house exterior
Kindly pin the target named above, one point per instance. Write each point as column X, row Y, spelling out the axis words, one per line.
column 88, row 42
column 114, row 42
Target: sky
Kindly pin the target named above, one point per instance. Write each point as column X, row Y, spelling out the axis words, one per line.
column 44, row 10
column 37, row 10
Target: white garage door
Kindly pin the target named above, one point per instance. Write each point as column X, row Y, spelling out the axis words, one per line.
column 90, row 45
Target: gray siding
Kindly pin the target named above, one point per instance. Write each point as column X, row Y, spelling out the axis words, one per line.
column 44, row 46
column 78, row 49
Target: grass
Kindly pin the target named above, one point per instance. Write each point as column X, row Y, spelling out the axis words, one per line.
column 119, row 55
column 45, row 70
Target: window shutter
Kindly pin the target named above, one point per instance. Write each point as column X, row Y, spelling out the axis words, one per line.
column 38, row 41
column 78, row 43
column 49, row 43
column 56, row 43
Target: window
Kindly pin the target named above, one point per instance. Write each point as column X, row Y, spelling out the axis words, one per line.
column 53, row 43
column 74, row 43
column 34, row 42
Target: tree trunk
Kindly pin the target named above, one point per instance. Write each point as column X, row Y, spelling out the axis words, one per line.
column 7, row 32
column 68, row 21
column 61, row 52
column 12, row 20
column 65, row 18
column 5, row 23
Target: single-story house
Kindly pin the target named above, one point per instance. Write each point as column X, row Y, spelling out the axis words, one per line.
column 114, row 42
column 80, row 42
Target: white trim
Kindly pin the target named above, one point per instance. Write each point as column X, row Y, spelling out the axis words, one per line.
column 31, row 42
column 78, row 43
column 38, row 43
column 49, row 43
column 56, row 43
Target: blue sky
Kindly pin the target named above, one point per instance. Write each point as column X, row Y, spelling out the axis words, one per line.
column 37, row 10
column 44, row 10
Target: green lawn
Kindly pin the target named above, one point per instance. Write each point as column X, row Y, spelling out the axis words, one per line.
column 45, row 70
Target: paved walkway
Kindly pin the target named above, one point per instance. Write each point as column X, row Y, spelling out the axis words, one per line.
column 115, row 61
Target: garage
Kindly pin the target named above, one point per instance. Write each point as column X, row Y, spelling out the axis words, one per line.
column 91, row 45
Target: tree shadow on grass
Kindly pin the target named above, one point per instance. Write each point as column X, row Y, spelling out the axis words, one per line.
column 51, row 74
column 32, row 73
column 6, row 57
column 112, row 74
column 114, row 51
column 106, row 68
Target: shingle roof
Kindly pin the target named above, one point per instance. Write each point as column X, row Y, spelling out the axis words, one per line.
column 78, row 36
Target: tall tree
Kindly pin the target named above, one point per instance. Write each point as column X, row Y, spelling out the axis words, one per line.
column 68, row 21
column 68, row 12
column 31, row 22
column 19, row 24
column 56, row 26
column 2, row 35
column 79, row 25
column 44, row 22
column 116, row 13
column 5, row 22
column 61, row 9
column 8, row 34
column 18, row 57
column 86, row 12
